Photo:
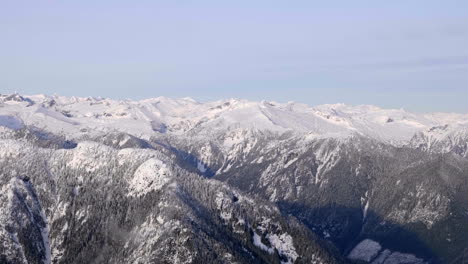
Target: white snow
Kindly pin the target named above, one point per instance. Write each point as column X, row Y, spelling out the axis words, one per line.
column 231, row 141
column 284, row 244
column 327, row 159
column 257, row 240
column 144, row 118
column 365, row 202
column 88, row 155
column 222, row 203
column 160, row 220
column 366, row 208
column 152, row 175
column 366, row 250
column 290, row 162
column 45, row 239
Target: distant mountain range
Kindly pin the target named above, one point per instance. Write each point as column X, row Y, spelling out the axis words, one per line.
column 161, row 180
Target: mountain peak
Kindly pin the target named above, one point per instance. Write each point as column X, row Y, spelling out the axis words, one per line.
column 180, row 115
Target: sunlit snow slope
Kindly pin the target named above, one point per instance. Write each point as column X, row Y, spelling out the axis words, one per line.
column 76, row 116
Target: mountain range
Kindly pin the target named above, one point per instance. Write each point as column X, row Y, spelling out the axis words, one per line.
column 162, row 180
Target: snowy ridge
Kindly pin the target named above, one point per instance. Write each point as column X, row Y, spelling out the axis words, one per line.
column 75, row 116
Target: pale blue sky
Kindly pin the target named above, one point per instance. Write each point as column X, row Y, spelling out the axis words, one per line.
column 410, row 54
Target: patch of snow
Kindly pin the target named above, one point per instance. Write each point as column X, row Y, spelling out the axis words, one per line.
column 366, row 250
column 45, row 239
column 366, row 208
column 285, row 246
column 257, row 241
column 228, row 167
column 201, row 167
column 327, row 158
column 152, row 175
column 222, row 203
column 290, row 162
column 401, row 258
column 382, row 257
column 160, row 219
column 89, row 155
column 124, row 140
column 233, row 139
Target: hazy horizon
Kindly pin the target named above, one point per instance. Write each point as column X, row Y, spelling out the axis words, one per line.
column 236, row 98
column 411, row 55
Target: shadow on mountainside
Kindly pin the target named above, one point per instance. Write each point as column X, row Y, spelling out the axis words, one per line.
column 211, row 227
column 346, row 227
column 187, row 160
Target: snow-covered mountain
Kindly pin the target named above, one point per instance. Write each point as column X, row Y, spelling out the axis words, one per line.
column 76, row 116
column 161, row 180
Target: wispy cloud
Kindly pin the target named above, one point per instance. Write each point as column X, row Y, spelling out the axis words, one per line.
column 417, row 63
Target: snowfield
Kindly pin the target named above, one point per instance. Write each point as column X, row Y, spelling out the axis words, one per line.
column 75, row 116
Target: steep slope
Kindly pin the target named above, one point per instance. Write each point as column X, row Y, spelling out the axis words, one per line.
column 104, row 205
column 24, row 232
column 443, row 139
column 348, row 189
